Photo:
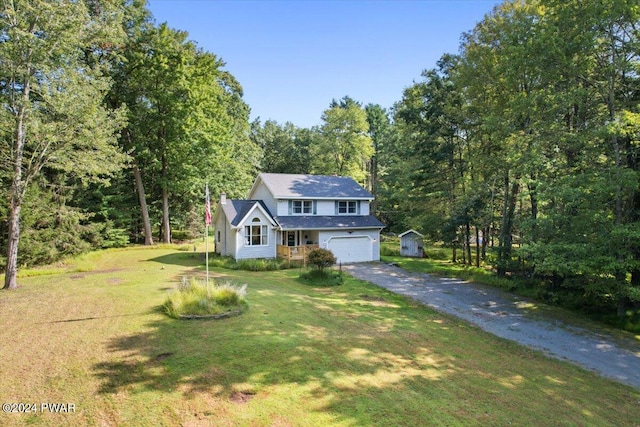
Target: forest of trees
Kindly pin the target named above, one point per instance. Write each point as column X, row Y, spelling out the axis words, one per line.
column 521, row 151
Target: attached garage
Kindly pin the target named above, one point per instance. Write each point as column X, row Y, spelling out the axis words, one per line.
column 351, row 248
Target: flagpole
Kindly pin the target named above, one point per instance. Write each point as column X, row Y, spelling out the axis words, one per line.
column 207, row 220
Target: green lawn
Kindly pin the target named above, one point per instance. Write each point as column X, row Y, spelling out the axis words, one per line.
column 352, row 355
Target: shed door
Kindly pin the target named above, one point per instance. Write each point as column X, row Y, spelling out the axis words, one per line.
column 351, row 249
column 412, row 244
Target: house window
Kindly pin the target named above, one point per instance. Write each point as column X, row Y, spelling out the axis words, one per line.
column 347, row 207
column 302, row 207
column 256, row 234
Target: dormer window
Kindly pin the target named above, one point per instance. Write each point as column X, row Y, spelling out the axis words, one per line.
column 348, row 207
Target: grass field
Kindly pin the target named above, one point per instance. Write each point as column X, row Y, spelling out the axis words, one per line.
column 92, row 335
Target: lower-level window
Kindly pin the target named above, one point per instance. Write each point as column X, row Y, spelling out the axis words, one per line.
column 256, row 235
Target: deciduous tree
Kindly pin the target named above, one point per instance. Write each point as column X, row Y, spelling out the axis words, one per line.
column 344, row 146
column 52, row 86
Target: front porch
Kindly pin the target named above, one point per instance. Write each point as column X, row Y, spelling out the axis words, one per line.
column 295, row 253
column 295, row 245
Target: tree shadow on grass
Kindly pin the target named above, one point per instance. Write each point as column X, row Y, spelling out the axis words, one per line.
column 183, row 259
column 359, row 358
column 318, row 351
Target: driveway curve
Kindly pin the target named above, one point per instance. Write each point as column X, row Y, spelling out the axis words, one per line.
column 505, row 315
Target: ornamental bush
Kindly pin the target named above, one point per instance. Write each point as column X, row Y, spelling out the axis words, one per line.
column 321, row 258
column 195, row 298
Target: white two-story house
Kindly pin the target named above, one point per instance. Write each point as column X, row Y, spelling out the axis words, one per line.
column 286, row 215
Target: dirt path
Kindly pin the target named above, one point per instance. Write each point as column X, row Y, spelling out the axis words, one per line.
column 504, row 315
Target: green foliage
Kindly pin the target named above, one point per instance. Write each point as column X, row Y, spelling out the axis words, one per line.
column 317, row 277
column 187, row 124
column 321, row 258
column 258, row 264
column 344, row 146
column 195, row 297
column 53, row 116
column 182, row 235
column 438, row 254
column 53, row 230
column 529, row 137
column 115, row 238
column 389, row 250
column 285, row 148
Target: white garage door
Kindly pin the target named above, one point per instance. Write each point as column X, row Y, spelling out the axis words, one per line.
column 351, row 249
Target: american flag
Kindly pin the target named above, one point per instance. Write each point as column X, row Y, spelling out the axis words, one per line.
column 207, row 208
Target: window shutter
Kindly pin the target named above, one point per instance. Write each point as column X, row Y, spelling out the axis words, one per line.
column 358, row 207
column 337, row 208
column 290, row 207
column 315, row 207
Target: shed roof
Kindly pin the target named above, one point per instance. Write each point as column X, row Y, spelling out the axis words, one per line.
column 410, row 232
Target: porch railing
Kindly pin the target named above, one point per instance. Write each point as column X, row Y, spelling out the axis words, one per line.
column 295, row 253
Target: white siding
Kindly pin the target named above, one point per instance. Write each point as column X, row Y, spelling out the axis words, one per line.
column 326, row 207
column 283, row 208
column 231, row 241
column 364, row 208
column 218, row 227
column 243, row 251
column 262, row 193
column 323, row 207
column 224, row 246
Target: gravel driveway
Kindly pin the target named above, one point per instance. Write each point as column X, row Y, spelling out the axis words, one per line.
column 504, row 315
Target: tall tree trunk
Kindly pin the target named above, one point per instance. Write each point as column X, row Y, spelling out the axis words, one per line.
column 504, row 232
column 634, row 211
column 17, row 193
column 374, row 182
column 467, row 238
column 485, row 241
column 11, row 273
column 620, row 271
column 533, row 198
column 166, row 226
column 142, row 198
column 478, row 246
column 506, row 229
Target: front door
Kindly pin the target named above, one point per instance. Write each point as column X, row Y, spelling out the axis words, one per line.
column 291, row 238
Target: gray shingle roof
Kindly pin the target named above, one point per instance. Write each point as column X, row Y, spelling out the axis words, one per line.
column 287, row 186
column 235, row 210
column 313, row 222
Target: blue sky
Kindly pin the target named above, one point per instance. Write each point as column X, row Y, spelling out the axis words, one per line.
column 293, row 57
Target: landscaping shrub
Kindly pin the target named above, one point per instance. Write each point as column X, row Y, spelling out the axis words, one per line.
column 321, row 258
column 194, row 298
column 261, row 264
column 317, row 277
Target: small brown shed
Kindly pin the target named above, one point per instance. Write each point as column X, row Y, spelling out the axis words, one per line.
column 411, row 244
